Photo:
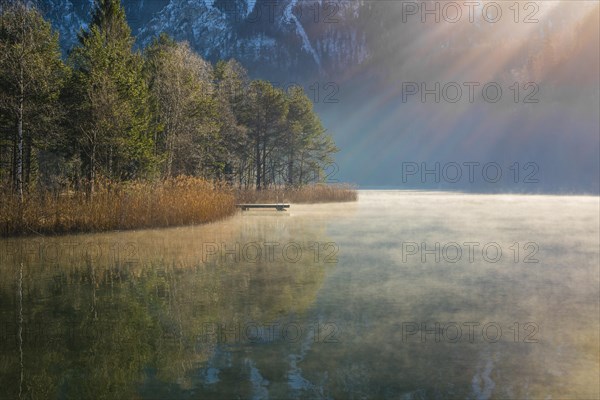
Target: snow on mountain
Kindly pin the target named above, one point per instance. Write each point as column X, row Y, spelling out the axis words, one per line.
column 289, row 38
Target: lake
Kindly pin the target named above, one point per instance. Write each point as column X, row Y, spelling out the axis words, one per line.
column 402, row 295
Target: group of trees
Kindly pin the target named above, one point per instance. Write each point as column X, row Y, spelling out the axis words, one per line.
column 111, row 111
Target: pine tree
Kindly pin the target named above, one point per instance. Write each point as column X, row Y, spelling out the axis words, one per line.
column 184, row 110
column 310, row 149
column 31, row 75
column 231, row 81
column 109, row 99
column 264, row 114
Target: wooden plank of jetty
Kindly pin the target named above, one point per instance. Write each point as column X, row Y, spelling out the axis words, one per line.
column 278, row 207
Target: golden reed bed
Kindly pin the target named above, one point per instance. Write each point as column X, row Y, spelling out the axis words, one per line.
column 133, row 205
column 305, row 194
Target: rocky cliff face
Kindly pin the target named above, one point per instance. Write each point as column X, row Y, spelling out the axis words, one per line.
column 277, row 38
column 289, row 39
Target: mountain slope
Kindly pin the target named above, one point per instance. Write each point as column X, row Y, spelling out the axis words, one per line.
column 286, row 39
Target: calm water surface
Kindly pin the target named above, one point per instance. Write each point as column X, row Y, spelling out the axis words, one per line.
column 404, row 295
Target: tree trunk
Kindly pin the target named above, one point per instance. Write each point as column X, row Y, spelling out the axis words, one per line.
column 19, row 155
column 27, row 163
column 170, row 147
column 264, row 163
column 13, row 161
column 92, row 169
column 301, row 179
column 291, row 167
column 258, row 164
column 110, row 161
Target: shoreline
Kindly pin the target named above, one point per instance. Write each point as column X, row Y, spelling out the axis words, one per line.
column 183, row 201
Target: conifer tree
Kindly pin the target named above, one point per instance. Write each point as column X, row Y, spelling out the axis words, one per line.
column 109, row 100
column 31, row 76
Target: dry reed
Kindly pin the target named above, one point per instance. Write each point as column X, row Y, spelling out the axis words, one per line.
column 116, row 206
column 137, row 205
column 317, row 193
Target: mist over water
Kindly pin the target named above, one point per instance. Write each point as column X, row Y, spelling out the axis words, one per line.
column 479, row 280
column 401, row 295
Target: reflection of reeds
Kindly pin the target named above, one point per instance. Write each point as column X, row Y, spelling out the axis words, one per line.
column 304, row 194
column 132, row 205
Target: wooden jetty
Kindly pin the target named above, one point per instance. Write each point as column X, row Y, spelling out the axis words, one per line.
column 278, row 207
